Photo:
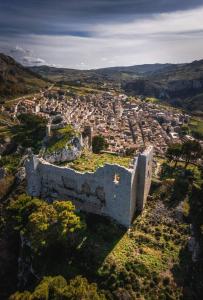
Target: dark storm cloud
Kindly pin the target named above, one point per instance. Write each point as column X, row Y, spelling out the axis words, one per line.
column 101, row 33
column 76, row 17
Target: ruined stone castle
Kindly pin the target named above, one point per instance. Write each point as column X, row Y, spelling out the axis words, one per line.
column 112, row 190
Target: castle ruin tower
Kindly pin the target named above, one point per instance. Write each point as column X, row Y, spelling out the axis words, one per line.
column 48, row 130
column 144, row 169
column 87, row 133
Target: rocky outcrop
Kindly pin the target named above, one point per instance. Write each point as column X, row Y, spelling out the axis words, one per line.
column 184, row 88
column 142, row 87
column 176, row 84
column 25, row 269
column 70, row 152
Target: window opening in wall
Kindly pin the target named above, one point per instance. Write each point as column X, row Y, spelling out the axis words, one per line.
column 116, row 178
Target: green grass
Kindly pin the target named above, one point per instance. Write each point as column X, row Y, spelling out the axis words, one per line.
column 10, row 162
column 5, row 130
column 152, row 100
column 80, row 90
column 90, row 162
column 60, row 139
column 137, row 260
column 57, row 145
column 144, row 260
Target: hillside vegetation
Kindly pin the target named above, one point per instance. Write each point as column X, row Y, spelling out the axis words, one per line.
column 102, row 260
column 17, row 80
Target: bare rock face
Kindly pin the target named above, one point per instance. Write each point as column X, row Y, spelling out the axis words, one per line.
column 69, row 153
column 63, row 155
column 181, row 88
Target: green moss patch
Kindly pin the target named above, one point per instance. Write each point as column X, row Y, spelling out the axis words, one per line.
column 60, row 139
column 90, row 162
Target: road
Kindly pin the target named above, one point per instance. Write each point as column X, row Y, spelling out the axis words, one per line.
column 27, row 96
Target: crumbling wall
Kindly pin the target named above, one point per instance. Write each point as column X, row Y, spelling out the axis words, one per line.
column 96, row 192
column 144, row 171
column 134, row 178
column 111, row 190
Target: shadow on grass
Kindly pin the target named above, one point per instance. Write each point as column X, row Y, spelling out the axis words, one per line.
column 180, row 190
column 179, row 181
column 96, row 243
column 189, row 276
column 169, row 171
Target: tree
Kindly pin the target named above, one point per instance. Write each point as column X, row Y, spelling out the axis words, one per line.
column 44, row 224
column 80, row 288
column 184, row 130
column 98, row 144
column 191, row 151
column 56, row 288
column 21, row 296
column 30, row 132
column 18, row 211
column 52, row 223
column 174, row 153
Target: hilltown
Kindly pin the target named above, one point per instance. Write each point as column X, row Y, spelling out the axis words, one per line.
column 126, row 122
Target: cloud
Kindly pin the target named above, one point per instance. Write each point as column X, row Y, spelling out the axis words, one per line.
column 78, row 17
column 22, row 55
column 28, row 60
column 18, row 49
column 82, row 34
column 162, row 24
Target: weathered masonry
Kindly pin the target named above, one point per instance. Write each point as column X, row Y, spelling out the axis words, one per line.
column 111, row 190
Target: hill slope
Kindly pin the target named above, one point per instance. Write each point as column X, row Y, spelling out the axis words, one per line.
column 16, row 79
column 112, row 73
column 178, row 84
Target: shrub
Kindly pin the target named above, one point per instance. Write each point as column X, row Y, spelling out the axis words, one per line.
column 44, row 224
column 166, row 281
column 98, row 144
column 53, row 288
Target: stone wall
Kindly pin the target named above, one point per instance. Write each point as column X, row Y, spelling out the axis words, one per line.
column 111, row 190
column 144, row 169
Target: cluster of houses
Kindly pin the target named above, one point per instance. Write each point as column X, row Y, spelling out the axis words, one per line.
column 128, row 124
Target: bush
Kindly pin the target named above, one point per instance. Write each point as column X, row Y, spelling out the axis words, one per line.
column 53, row 288
column 44, row 224
column 98, row 144
column 30, row 132
column 166, row 281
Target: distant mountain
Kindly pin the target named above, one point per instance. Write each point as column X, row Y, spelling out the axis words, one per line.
column 180, row 84
column 112, row 73
column 70, row 76
column 137, row 69
column 17, row 80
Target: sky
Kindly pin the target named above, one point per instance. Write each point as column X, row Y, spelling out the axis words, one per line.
column 86, row 34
